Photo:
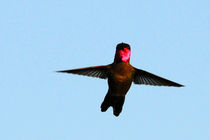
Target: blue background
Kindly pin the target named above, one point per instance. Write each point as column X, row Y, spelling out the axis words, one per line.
column 168, row 38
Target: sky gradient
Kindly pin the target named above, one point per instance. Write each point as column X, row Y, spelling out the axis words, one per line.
column 168, row 38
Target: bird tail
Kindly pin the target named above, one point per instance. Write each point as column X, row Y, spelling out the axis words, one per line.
column 115, row 101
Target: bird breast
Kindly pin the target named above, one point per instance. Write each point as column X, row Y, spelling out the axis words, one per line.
column 122, row 72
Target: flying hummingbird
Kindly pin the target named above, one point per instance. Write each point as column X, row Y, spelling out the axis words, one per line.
column 120, row 76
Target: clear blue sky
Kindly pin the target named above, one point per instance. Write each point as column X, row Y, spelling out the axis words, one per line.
column 170, row 38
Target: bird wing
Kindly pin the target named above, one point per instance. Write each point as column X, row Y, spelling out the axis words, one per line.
column 96, row 71
column 144, row 77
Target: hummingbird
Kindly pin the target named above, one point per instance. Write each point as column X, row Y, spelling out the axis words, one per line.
column 121, row 74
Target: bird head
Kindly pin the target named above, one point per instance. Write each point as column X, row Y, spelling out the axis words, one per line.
column 123, row 53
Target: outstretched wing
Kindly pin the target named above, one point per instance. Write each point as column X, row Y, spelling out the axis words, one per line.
column 96, row 71
column 143, row 77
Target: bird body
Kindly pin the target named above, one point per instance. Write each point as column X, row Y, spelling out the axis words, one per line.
column 120, row 76
column 119, row 81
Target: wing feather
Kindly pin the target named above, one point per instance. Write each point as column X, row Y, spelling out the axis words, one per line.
column 144, row 77
column 96, row 71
